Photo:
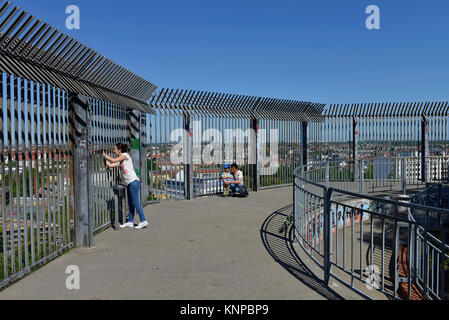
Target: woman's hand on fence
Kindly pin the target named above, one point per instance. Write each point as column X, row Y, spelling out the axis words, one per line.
column 108, row 158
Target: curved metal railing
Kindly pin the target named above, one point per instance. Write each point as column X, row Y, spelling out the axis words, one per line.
column 429, row 248
column 352, row 218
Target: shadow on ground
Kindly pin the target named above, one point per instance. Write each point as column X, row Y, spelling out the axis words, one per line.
column 280, row 247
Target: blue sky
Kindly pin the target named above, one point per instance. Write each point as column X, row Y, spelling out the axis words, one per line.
column 310, row 50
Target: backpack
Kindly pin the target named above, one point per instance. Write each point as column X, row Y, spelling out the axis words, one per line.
column 243, row 192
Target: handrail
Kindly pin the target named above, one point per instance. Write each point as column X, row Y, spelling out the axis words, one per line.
column 323, row 218
column 353, row 194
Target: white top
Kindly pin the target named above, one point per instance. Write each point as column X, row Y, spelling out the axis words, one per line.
column 239, row 175
column 127, row 170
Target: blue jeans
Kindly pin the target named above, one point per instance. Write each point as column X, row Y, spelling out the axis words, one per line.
column 235, row 188
column 133, row 190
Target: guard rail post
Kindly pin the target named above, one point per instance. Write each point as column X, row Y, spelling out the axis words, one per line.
column 143, row 158
column 79, row 131
column 362, row 176
column 295, row 206
column 443, row 274
column 425, row 150
column 396, row 257
column 355, row 140
column 254, row 156
column 404, row 175
column 327, row 235
column 188, row 158
column 304, row 141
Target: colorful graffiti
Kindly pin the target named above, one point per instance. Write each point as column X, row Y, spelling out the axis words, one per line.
column 313, row 220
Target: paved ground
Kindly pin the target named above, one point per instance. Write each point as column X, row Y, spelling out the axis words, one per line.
column 209, row 248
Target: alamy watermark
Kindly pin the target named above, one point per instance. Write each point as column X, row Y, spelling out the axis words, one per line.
column 373, row 280
column 73, row 21
column 241, row 145
column 73, row 280
column 373, row 20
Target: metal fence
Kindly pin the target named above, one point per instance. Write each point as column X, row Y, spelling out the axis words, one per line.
column 263, row 136
column 356, row 131
column 165, row 179
column 50, row 89
column 359, row 231
column 107, row 127
column 209, row 154
column 36, row 192
column 288, row 151
column 431, row 249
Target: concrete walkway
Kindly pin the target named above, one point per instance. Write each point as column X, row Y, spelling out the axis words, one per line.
column 209, row 248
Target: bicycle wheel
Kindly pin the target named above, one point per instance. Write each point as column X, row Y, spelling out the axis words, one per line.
column 283, row 228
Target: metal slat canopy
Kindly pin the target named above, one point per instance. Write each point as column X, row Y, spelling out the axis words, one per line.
column 237, row 106
column 34, row 50
column 417, row 109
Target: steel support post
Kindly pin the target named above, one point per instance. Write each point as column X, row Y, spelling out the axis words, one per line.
column 133, row 126
column 355, row 149
column 254, row 154
column 79, row 131
column 355, row 139
column 295, row 207
column 327, row 236
column 404, row 175
column 425, row 151
column 304, row 142
column 188, row 158
column 143, row 158
column 362, row 177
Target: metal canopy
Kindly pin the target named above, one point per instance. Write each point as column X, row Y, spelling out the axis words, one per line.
column 33, row 49
column 235, row 106
column 379, row 110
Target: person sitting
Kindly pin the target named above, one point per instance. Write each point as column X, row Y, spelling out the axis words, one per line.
column 237, row 185
column 226, row 176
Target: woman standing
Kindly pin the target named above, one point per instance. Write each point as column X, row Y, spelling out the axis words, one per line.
column 131, row 181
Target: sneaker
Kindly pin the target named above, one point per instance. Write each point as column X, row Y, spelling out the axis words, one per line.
column 142, row 225
column 127, row 225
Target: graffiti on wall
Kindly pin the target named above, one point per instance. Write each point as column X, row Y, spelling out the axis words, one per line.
column 352, row 212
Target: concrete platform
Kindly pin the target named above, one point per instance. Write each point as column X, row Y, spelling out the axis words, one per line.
column 208, row 248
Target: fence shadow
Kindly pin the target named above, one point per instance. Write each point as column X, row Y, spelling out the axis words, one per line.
column 280, row 247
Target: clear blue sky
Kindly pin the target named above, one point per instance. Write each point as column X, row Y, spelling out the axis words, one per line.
column 314, row 50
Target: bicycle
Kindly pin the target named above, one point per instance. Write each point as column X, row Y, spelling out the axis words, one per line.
column 287, row 223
